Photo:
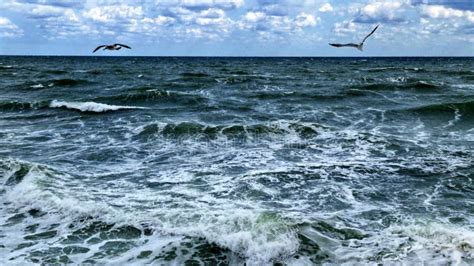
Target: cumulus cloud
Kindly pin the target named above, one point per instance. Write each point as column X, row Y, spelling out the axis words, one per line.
column 442, row 20
column 382, row 12
column 438, row 11
column 306, row 20
column 113, row 13
column 268, row 26
column 344, row 28
column 253, row 17
column 205, row 4
column 456, row 4
column 326, row 8
column 212, row 17
column 58, row 3
column 43, row 11
column 8, row 29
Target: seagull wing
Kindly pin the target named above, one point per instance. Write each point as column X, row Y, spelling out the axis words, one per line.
column 370, row 34
column 123, row 45
column 98, row 47
column 344, row 45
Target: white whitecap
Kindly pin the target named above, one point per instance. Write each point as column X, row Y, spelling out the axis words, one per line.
column 90, row 106
column 37, row 86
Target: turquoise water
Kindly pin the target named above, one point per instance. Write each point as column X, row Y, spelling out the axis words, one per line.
column 236, row 160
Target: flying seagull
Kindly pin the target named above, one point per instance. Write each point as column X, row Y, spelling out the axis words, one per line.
column 116, row 46
column 359, row 46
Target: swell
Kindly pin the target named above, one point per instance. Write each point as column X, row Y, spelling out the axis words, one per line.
column 185, row 129
column 304, row 96
column 388, row 68
column 464, row 108
column 49, row 83
column 67, row 82
column 455, row 72
column 87, row 107
column 420, row 85
column 19, row 106
column 7, row 67
column 55, row 71
column 151, row 94
column 194, row 75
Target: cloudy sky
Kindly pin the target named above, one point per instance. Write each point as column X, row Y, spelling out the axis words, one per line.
column 238, row 27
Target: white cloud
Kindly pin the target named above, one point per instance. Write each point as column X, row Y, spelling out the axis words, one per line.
column 326, row 8
column 163, row 20
column 382, row 11
column 8, row 29
column 46, row 11
column 345, row 27
column 214, row 17
column 306, row 20
column 43, row 11
column 112, row 13
column 253, row 17
column 268, row 26
column 160, row 20
column 441, row 12
column 204, row 4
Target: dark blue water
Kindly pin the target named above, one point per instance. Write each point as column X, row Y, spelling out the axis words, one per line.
column 230, row 160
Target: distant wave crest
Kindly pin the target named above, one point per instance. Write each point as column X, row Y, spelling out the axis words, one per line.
column 90, row 106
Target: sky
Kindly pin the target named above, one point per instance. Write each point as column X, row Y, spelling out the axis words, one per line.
column 237, row 27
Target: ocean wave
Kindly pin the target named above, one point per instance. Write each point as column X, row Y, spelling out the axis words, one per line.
column 6, row 67
column 458, row 72
column 194, row 74
column 55, row 71
column 303, row 96
column 438, row 243
column 145, row 94
column 245, row 78
column 18, row 106
column 37, row 86
column 464, row 108
column 400, row 83
column 412, row 243
column 467, row 77
column 14, row 105
column 302, row 130
column 381, row 69
column 48, row 204
column 67, row 82
column 37, row 192
column 89, row 71
column 90, row 106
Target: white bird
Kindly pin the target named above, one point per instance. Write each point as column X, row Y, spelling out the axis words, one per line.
column 116, row 46
column 359, row 46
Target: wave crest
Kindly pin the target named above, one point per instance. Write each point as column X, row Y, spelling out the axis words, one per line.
column 90, row 106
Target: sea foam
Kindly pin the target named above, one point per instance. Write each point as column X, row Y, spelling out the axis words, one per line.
column 90, row 106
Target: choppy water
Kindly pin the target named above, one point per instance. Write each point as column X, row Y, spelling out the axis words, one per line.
column 234, row 160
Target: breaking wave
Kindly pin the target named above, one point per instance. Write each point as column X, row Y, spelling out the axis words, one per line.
column 90, row 106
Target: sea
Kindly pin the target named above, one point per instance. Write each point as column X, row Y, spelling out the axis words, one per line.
column 236, row 161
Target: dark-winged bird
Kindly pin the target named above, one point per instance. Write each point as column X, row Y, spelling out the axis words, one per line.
column 359, row 46
column 116, row 46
